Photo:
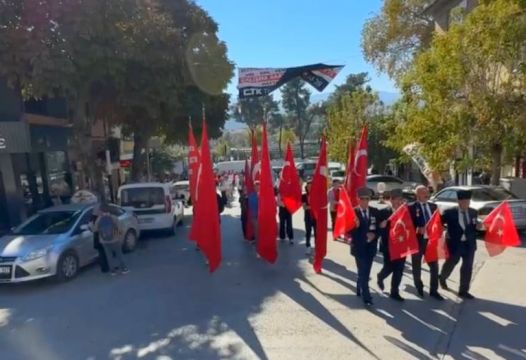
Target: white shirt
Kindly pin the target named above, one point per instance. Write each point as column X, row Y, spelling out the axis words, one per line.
column 462, row 223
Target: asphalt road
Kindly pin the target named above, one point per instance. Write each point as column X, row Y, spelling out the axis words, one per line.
column 170, row 307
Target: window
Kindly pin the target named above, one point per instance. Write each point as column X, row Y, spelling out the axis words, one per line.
column 55, row 222
column 447, row 195
column 142, row 197
column 116, row 211
column 492, row 194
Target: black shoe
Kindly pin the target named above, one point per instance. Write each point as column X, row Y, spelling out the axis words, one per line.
column 466, row 295
column 291, row 242
column 420, row 292
column 368, row 303
column 380, row 283
column 396, row 297
column 436, row 295
column 443, row 284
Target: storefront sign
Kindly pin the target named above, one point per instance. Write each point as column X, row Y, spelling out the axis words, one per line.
column 14, row 137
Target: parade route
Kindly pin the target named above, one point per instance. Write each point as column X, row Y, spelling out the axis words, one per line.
column 170, row 307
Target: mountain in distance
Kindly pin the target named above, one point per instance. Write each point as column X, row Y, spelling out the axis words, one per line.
column 388, row 98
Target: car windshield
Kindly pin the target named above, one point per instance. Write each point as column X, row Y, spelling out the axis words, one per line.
column 144, row 197
column 492, row 194
column 53, row 222
column 338, row 173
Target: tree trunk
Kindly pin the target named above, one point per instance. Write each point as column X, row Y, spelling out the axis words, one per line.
column 496, row 163
column 139, row 158
column 302, row 147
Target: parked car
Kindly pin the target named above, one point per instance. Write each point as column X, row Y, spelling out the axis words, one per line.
column 391, row 183
column 153, row 204
column 181, row 190
column 484, row 199
column 337, row 175
column 57, row 242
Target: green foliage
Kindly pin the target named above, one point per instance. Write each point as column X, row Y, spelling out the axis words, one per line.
column 469, row 88
column 287, row 136
column 252, row 111
column 391, row 38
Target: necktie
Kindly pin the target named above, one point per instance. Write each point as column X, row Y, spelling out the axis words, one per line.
column 364, row 212
column 466, row 221
column 426, row 213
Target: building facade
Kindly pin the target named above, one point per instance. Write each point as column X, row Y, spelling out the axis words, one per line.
column 34, row 164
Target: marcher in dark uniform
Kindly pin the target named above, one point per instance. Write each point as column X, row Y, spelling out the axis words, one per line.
column 461, row 223
column 391, row 267
column 285, row 221
column 421, row 211
column 310, row 222
column 365, row 243
column 243, row 202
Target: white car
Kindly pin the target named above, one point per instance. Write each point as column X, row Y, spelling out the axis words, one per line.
column 153, row 204
column 390, row 182
column 181, row 189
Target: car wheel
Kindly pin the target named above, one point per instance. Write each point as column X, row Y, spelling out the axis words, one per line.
column 130, row 242
column 67, row 267
column 171, row 231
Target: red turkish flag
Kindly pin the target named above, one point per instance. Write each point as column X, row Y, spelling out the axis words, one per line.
column 249, row 186
column 436, row 245
column 348, row 171
column 402, row 234
column 318, row 202
column 267, row 225
column 205, row 221
column 289, row 183
column 193, row 161
column 255, row 165
column 359, row 174
column 501, row 231
column 345, row 217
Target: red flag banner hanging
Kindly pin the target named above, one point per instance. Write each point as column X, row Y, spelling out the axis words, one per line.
column 206, row 216
column 255, row 165
column 267, row 225
column 501, row 231
column 193, row 161
column 359, row 175
column 436, row 246
column 402, row 234
column 345, row 217
column 318, row 202
column 348, row 173
column 249, row 188
column 289, row 183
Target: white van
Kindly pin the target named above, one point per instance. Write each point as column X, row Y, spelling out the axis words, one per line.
column 154, row 205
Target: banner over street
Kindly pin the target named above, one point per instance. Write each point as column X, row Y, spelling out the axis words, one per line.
column 255, row 82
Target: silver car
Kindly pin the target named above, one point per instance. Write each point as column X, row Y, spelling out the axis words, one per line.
column 57, row 242
column 484, row 199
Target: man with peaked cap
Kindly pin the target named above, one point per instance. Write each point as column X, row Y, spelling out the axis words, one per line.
column 395, row 268
column 364, row 243
column 421, row 211
column 461, row 239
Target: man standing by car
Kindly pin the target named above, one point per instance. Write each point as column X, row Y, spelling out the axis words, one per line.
column 461, row 223
column 109, row 231
column 421, row 211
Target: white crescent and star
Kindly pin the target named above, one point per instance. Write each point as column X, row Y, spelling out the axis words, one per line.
column 341, row 205
column 398, row 223
column 285, row 165
column 357, row 157
column 500, row 231
column 256, row 170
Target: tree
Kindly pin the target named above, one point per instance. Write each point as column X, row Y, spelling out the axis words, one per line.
column 296, row 102
column 392, row 38
column 353, row 82
column 346, row 118
column 468, row 89
column 252, row 111
column 287, row 136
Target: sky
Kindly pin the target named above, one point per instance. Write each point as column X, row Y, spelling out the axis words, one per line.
column 282, row 33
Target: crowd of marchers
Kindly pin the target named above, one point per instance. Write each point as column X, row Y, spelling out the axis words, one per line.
column 371, row 235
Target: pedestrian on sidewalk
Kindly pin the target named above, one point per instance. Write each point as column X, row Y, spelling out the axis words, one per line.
column 285, row 221
column 395, row 268
column 310, row 222
column 102, row 259
column 334, row 198
column 461, row 224
column 365, row 243
column 108, row 227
